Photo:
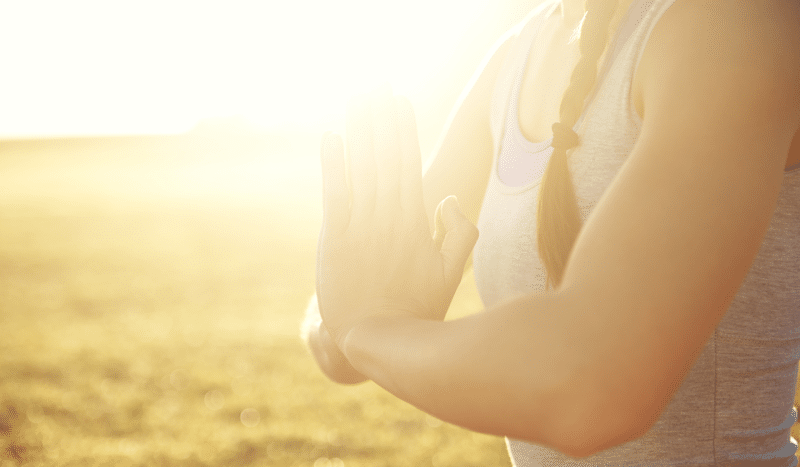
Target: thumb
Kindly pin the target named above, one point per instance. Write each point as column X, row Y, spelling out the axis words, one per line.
column 460, row 236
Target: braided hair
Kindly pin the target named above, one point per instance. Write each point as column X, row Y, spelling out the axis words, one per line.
column 558, row 220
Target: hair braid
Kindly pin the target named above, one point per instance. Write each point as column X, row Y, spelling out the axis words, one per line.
column 558, row 219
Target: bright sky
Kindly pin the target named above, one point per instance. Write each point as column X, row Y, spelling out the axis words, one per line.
column 112, row 67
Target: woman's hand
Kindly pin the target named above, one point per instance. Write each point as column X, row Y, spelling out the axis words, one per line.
column 330, row 359
column 375, row 254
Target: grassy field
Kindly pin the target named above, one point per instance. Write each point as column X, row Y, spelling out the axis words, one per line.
column 150, row 298
column 149, row 314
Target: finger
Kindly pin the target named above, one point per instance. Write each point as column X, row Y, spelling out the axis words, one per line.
column 335, row 194
column 387, row 152
column 439, row 230
column 411, row 165
column 458, row 242
column 360, row 157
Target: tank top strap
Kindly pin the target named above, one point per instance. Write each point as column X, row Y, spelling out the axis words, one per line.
column 525, row 33
column 639, row 11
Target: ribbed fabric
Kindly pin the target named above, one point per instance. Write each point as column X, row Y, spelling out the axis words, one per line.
column 735, row 406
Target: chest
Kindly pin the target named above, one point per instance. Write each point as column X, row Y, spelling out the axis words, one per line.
column 548, row 72
column 546, row 77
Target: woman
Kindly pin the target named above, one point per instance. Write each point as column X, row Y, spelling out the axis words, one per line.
column 638, row 263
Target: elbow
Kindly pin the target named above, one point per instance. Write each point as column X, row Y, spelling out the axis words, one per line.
column 607, row 415
column 595, row 436
column 585, row 422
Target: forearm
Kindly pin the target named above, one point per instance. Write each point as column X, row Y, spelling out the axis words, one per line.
column 511, row 371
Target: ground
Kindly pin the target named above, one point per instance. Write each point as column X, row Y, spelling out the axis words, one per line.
column 151, row 292
column 149, row 316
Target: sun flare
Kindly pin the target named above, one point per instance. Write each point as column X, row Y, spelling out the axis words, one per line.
column 90, row 67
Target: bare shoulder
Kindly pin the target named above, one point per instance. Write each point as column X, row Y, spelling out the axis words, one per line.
column 747, row 50
column 728, row 33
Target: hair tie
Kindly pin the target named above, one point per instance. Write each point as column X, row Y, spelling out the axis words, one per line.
column 564, row 137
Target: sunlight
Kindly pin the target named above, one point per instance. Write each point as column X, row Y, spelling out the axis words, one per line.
column 90, row 67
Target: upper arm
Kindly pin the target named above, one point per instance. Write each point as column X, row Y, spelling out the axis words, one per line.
column 463, row 157
column 667, row 246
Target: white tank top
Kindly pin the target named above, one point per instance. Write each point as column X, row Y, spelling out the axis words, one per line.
column 735, row 406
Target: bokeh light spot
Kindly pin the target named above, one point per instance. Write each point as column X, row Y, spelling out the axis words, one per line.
column 214, row 400
column 323, row 462
column 250, row 417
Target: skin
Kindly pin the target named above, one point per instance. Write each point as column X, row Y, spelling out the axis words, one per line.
column 708, row 174
column 550, row 66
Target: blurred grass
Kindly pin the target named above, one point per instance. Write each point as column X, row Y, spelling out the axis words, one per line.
column 150, row 296
column 148, row 316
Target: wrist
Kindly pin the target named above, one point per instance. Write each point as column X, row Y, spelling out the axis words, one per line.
column 331, row 360
column 372, row 342
column 324, row 350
